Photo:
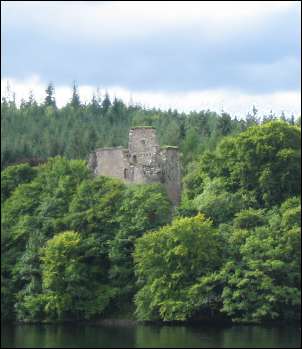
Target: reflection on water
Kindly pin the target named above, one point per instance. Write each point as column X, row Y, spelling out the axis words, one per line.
column 143, row 336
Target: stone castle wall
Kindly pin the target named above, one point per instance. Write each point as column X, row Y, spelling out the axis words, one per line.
column 110, row 162
column 143, row 162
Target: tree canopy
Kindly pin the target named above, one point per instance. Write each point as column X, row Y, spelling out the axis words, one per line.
column 76, row 247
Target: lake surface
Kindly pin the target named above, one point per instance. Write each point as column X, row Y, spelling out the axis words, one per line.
column 144, row 336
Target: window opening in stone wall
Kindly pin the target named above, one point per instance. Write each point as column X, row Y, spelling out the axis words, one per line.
column 125, row 173
column 134, row 159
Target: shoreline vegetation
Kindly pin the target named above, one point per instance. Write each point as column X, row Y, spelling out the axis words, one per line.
column 83, row 248
column 132, row 322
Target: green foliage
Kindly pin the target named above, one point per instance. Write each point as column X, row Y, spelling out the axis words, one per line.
column 262, row 276
column 225, row 124
column 93, row 207
column 247, row 187
column 44, row 200
column 258, row 168
column 265, row 160
column 108, row 217
column 27, row 275
column 256, row 277
column 75, row 99
column 31, row 214
column 143, row 208
column 70, row 285
column 7, row 297
column 249, row 218
column 49, row 98
column 13, row 176
column 44, row 130
column 168, row 264
column 219, row 204
column 69, row 241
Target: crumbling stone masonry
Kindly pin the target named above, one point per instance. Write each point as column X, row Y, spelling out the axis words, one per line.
column 143, row 162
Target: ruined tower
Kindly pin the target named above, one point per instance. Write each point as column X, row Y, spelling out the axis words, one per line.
column 143, row 162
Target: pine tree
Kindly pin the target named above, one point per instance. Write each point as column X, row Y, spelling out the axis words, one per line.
column 75, row 100
column 255, row 111
column 50, row 99
column 106, row 102
column 31, row 99
column 94, row 105
column 224, row 124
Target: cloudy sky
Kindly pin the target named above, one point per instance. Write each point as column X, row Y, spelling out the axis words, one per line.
column 185, row 55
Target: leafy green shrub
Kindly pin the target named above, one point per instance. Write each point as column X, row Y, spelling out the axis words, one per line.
column 169, row 262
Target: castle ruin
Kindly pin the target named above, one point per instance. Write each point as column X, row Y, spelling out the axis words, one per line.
column 143, row 162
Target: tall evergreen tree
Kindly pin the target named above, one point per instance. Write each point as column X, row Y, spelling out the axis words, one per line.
column 75, row 100
column 94, row 105
column 224, row 124
column 50, row 98
column 31, row 99
column 106, row 102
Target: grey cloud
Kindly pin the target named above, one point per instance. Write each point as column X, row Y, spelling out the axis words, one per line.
column 255, row 60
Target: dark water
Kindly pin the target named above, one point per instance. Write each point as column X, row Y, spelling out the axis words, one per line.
column 143, row 336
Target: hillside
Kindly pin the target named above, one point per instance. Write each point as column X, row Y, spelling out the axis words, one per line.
column 76, row 247
column 34, row 132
